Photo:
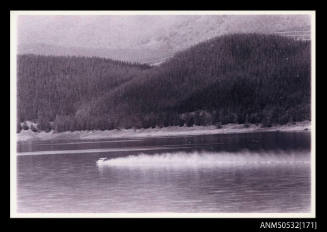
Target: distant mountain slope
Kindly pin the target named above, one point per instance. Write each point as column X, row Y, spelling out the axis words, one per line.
column 233, row 78
column 199, row 28
column 147, row 56
column 298, row 33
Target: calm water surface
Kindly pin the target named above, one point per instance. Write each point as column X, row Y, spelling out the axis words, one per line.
column 255, row 172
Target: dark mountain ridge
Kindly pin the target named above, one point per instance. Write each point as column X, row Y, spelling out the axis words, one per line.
column 233, row 78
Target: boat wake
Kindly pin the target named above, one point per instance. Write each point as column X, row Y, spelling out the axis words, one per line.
column 209, row 160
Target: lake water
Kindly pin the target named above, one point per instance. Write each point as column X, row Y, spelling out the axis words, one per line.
column 232, row 173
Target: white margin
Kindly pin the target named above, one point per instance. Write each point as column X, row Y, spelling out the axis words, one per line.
column 313, row 113
column 13, row 116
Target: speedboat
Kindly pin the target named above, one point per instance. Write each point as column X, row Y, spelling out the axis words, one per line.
column 101, row 160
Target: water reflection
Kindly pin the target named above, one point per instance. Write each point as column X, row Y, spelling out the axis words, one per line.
column 227, row 142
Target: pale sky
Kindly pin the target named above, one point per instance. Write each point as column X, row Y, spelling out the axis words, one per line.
column 91, row 31
column 130, row 31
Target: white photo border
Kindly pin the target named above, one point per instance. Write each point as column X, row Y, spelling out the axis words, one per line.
column 13, row 116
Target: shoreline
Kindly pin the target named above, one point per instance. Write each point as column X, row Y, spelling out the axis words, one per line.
column 172, row 131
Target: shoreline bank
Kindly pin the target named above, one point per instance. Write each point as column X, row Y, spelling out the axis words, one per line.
column 28, row 135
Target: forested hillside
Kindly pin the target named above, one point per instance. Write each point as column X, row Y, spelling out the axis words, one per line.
column 49, row 86
column 242, row 78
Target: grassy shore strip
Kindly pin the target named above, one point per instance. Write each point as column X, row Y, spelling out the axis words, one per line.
column 28, row 135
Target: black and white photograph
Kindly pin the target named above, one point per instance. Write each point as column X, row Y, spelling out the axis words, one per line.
column 187, row 114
